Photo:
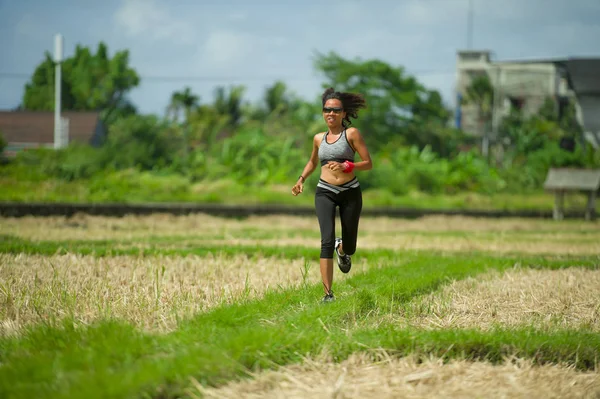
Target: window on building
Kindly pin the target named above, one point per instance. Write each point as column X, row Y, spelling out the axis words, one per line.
column 517, row 102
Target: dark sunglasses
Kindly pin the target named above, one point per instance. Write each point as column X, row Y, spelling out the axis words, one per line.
column 335, row 110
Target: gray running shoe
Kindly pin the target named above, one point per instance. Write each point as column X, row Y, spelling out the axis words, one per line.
column 344, row 261
column 329, row 297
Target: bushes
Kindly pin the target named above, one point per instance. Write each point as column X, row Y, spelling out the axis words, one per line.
column 250, row 157
column 385, row 175
column 145, row 147
column 142, row 142
column 77, row 161
column 130, row 185
column 528, row 172
column 136, row 142
column 409, row 169
column 3, row 143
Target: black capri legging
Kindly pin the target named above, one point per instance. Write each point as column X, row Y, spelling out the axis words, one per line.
column 349, row 200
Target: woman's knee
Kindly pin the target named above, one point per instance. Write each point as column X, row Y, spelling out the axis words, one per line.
column 327, row 247
column 349, row 247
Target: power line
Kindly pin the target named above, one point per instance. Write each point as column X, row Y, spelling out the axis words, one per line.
column 207, row 78
column 17, row 75
column 14, row 75
column 470, row 26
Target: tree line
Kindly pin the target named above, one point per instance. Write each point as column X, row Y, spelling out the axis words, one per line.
column 408, row 127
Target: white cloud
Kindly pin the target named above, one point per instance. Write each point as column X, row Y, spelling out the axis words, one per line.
column 147, row 18
column 223, row 47
column 348, row 11
column 228, row 51
column 432, row 13
column 214, row 40
column 237, row 16
column 535, row 12
column 33, row 28
column 25, row 25
column 565, row 40
column 417, row 13
column 378, row 43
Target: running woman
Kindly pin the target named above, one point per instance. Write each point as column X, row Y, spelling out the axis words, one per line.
column 338, row 186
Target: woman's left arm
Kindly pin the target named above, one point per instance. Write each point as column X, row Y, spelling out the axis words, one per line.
column 358, row 143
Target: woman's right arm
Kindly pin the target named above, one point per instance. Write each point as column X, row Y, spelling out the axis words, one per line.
column 311, row 165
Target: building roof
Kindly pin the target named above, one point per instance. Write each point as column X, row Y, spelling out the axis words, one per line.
column 533, row 61
column 584, row 75
column 482, row 51
column 37, row 127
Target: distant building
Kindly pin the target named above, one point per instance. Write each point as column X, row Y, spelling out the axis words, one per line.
column 527, row 84
column 33, row 129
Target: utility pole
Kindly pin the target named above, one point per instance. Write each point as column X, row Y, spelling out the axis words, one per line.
column 58, row 56
column 470, row 26
column 496, row 108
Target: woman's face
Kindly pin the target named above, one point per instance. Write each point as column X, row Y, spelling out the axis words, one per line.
column 333, row 112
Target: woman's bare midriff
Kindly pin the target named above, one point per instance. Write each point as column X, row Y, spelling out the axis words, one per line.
column 335, row 177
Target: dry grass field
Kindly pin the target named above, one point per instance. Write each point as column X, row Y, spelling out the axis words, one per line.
column 360, row 377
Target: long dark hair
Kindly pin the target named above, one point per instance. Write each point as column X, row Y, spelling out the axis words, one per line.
column 351, row 102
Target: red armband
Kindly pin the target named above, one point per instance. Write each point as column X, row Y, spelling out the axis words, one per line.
column 348, row 167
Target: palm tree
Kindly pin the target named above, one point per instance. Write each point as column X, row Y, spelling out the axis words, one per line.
column 481, row 94
column 230, row 103
column 189, row 101
column 276, row 98
column 175, row 107
column 183, row 101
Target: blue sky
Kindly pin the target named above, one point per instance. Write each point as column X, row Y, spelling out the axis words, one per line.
column 205, row 43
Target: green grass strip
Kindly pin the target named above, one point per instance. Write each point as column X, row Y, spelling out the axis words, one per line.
column 102, row 248
column 112, row 359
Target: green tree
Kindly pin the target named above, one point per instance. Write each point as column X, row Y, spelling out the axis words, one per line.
column 392, row 96
column 521, row 135
column 3, row 143
column 480, row 93
column 567, row 118
column 282, row 114
column 548, row 110
column 430, row 107
column 276, row 101
column 563, row 112
column 183, row 102
column 430, row 126
column 175, row 108
column 90, row 82
column 140, row 141
column 206, row 126
column 229, row 102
